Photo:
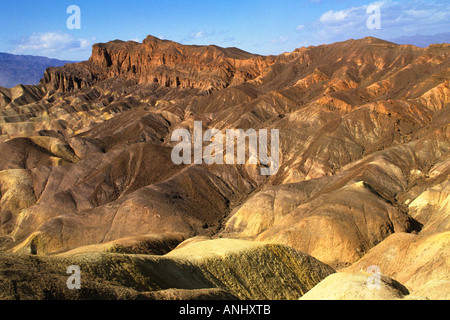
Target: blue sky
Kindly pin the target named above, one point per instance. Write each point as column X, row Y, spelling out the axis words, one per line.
column 38, row 27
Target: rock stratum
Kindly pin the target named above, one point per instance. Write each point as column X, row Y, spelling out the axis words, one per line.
column 86, row 176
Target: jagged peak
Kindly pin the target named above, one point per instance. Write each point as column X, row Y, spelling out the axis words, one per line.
column 151, row 39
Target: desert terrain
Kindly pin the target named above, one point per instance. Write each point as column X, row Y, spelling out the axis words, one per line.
column 87, row 179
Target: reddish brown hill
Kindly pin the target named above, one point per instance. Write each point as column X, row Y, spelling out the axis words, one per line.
column 158, row 61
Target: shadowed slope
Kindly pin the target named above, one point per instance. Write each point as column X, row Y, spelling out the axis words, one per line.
column 241, row 269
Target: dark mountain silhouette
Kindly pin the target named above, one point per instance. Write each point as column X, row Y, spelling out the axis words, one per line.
column 423, row 41
column 24, row 69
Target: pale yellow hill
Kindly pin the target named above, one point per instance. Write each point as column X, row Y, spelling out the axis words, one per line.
column 212, row 268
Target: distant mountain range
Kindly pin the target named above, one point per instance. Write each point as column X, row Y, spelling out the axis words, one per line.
column 26, row 69
column 422, row 41
column 21, row 69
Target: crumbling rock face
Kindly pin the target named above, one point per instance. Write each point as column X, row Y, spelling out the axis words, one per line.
column 67, row 79
column 160, row 61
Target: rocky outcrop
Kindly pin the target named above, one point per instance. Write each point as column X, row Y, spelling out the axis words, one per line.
column 162, row 62
column 67, row 79
column 347, row 286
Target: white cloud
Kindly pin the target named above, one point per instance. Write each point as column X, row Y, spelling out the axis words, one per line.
column 50, row 43
column 334, row 16
column 199, row 37
column 199, row 34
column 397, row 18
